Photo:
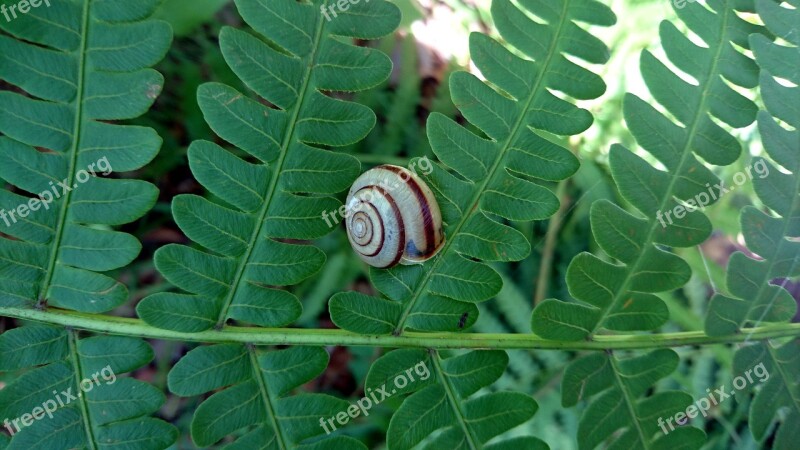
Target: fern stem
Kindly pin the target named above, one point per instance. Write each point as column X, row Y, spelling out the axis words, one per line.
column 455, row 401
column 268, row 403
column 551, row 236
column 630, row 401
column 77, row 135
column 295, row 336
column 76, row 368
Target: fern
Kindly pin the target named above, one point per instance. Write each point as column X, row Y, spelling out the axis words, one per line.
column 111, row 412
column 621, row 297
column 254, row 399
column 278, row 194
column 780, row 392
column 441, row 403
column 267, row 200
column 514, row 109
column 618, row 416
column 82, row 64
column 753, row 298
column 268, row 192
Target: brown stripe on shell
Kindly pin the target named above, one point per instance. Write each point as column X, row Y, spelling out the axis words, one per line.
column 427, row 217
column 399, row 218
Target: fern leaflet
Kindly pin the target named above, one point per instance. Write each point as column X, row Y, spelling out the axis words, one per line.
column 254, row 399
column 515, row 108
column 441, row 402
column 280, row 195
column 81, row 410
column 618, row 416
column 754, row 298
column 621, row 297
column 83, row 63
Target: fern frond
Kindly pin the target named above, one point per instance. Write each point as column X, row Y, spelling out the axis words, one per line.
column 752, row 297
column 441, row 401
column 619, row 416
column 620, row 297
column 514, row 108
column 70, row 412
column 255, row 398
column 778, row 393
column 82, row 64
column 280, row 193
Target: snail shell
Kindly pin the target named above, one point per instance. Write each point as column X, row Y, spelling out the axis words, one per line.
column 393, row 217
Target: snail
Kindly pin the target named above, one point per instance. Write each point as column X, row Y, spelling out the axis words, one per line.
column 392, row 217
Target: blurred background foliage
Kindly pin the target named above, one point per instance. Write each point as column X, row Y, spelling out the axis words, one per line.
column 431, row 43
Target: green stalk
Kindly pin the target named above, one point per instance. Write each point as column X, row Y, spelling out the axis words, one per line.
column 77, row 136
column 295, row 336
column 553, row 230
column 455, row 401
column 86, row 418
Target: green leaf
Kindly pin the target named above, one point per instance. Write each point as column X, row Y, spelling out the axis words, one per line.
column 483, row 181
column 253, row 401
column 619, row 296
column 73, row 394
column 83, row 64
column 439, row 400
column 281, row 190
column 617, row 416
column 771, row 370
column 774, row 374
column 751, row 297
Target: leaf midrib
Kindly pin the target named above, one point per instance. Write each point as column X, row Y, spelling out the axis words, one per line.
column 454, row 401
column 687, row 152
column 86, row 418
column 55, row 245
column 268, row 404
column 278, row 166
column 518, row 127
column 629, row 401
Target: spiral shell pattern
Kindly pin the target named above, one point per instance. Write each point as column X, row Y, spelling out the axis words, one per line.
column 393, row 217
